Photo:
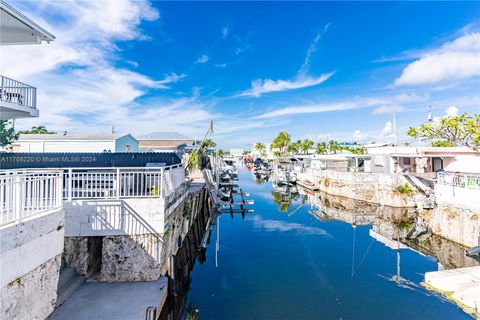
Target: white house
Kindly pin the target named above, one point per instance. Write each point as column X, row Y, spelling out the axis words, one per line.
column 75, row 143
column 422, row 160
column 18, row 99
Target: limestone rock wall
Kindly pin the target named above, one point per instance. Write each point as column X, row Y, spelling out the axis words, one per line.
column 32, row 296
column 460, row 225
column 130, row 258
column 376, row 188
column 75, row 254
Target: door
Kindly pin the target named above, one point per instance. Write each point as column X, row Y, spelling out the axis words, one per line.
column 437, row 164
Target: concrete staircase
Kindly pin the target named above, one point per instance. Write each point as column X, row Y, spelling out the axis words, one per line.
column 68, row 283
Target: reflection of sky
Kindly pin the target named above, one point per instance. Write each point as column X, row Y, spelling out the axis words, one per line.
column 293, row 266
column 283, row 226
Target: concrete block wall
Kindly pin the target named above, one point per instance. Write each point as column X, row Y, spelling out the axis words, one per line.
column 30, row 254
column 90, row 218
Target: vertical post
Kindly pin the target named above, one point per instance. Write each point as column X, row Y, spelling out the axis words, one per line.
column 117, row 184
column 69, row 185
column 161, row 182
column 2, row 93
column 34, row 98
column 59, row 189
column 18, row 205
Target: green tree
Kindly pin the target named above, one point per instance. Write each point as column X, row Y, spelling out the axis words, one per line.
column 333, row 146
column 321, row 148
column 260, row 147
column 7, row 135
column 208, row 144
column 281, row 142
column 306, row 145
column 442, row 143
column 37, row 130
column 461, row 130
column 294, row 147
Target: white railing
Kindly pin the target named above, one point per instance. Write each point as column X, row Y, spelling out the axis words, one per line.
column 24, row 193
column 118, row 183
column 18, row 93
column 463, row 180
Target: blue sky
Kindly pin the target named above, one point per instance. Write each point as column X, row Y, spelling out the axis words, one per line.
column 319, row 70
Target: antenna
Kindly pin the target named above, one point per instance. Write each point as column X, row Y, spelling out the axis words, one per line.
column 430, row 118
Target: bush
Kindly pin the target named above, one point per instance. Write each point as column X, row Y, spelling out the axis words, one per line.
column 405, row 189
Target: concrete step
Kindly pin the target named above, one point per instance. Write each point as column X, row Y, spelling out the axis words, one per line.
column 67, row 290
column 65, row 275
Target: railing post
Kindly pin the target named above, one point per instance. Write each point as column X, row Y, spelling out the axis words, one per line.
column 2, row 93
column 162, row 171
column 59, row 194
column 117, row 184
column 69, row 185
column 18, row 206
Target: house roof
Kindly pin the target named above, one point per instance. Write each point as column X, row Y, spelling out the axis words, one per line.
column 164, row 136
column 75, row 136
column 19, row 29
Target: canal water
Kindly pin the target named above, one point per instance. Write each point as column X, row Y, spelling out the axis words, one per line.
column 281, row 262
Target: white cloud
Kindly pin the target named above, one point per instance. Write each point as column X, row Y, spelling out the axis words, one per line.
column 455, row 60
column 203, row 59
column 350, row 104
column 360, row 136
column 306, row 63
column 283, row 226
column 262, row 86
column 225, row 32
column 77, row 76
column 388, row 110
column 451, row 111
column 387, row 129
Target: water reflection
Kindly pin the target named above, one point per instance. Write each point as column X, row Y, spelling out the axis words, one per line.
column 396, row 228
column 305, row 255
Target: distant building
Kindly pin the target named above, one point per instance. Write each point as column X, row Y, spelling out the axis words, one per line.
column 236, row 152
column 75, row 143
column 165, row 142
column 422, row 160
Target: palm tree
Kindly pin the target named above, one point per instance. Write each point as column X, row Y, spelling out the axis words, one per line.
column 260, row 147
column 306, row 145
column 333, row 146
column 321, row 148
column 208, row 144
column 281, row 141
column 37, row 130
column 294, row 147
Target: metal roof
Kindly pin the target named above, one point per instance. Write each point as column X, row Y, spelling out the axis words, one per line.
column 164, row 136
column 75, row 136
column 16, row 28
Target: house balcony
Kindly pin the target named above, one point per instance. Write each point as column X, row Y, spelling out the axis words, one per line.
column 17, row 99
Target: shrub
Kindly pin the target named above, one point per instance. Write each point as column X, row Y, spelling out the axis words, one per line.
column 405, row 189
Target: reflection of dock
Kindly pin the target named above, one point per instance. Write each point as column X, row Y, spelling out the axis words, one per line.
column 308, row 185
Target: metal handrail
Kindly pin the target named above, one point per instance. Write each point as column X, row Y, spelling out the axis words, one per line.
column 19, row 93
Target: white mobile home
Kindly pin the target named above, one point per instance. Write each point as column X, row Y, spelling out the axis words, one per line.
column 75, row 143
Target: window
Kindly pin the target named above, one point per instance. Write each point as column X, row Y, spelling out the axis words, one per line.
column 127, row 148
column 406, row 161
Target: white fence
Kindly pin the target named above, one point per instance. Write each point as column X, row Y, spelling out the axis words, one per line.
column 24, row 193
column 16, row 92
column 117, row 183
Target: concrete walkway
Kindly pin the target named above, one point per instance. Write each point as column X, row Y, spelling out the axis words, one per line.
column 105, row 301
column 461, row 285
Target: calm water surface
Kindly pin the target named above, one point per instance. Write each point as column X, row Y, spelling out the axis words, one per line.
column 290, row 265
